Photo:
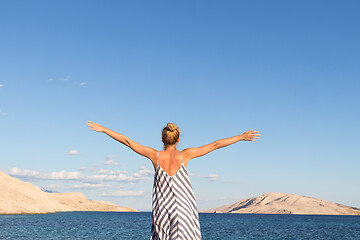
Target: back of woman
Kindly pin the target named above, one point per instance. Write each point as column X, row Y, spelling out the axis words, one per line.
column 170, row 160
column 175, row 214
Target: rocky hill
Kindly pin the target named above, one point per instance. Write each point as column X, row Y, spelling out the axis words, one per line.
column 283, row 203
column 18, row 197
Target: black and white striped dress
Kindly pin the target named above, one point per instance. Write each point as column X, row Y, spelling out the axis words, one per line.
column 174, row 214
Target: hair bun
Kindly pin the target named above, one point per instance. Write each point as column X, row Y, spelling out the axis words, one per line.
column 170, row 134
column 172, row 127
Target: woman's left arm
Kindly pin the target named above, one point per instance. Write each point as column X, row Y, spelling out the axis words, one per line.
column 136, row 147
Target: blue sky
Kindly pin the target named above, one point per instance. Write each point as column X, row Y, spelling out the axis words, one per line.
column 216, row 69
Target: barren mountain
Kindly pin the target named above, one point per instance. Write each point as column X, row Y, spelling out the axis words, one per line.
column 18, row 197
column 283, row 203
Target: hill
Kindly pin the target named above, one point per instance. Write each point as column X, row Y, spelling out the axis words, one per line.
column 18, row 197
column 283, row 203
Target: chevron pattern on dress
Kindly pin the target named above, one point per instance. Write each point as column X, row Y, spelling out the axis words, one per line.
column 175, row 214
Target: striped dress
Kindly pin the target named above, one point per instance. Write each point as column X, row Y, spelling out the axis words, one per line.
column 174, row 214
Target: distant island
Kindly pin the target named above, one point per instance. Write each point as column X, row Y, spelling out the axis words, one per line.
column 18, row 197
column 283, row 203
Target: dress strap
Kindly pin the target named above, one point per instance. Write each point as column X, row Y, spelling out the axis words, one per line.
column 157, row 159
column 181, row 158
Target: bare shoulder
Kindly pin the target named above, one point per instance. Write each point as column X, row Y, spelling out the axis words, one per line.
column 194, row 152
column 151, row 154
column 186, row 155
column 187, row 152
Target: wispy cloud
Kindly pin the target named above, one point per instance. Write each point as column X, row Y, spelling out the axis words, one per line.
column 3, row 113
column 110, row 176
column 110, row 161
column 61, row 175
column 121, row 193
column 73, row 152
column 1, row 85
column 194, row 175
column 94, row 168
column 66, row 79
column 107, row 171
column 212, row 177
column 143, row 172
column 51, row 186
column 87, row 186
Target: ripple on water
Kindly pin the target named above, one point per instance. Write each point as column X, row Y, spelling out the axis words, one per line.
column 113, row 225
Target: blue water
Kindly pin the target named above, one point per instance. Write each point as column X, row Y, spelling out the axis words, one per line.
column 112, row 225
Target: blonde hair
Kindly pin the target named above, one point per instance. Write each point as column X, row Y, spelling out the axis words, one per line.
column 170, row 134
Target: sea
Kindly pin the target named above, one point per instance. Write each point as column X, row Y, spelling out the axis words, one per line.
column 137, row 225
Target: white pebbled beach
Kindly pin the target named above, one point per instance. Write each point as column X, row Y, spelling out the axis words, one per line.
column 18, row 197
column 283, row 203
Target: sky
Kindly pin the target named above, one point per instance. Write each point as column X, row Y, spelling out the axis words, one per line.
column 289, row 69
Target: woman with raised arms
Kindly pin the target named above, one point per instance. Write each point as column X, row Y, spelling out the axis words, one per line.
column 174, row 209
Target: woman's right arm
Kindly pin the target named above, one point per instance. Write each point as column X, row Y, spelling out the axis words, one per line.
column 136, row 147
column 191, row 153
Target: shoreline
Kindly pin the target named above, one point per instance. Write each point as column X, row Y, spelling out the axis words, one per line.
column 149, row 212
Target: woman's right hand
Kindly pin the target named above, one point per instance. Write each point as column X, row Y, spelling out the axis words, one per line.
column 250, row 135
column 95, row 126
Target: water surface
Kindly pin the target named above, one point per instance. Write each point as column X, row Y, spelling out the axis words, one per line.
column 117, row 225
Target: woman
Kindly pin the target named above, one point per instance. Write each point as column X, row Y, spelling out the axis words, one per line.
column 174, row 214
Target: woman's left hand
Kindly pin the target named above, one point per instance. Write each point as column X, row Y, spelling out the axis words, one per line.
column 250, row 135
column 95, row 126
